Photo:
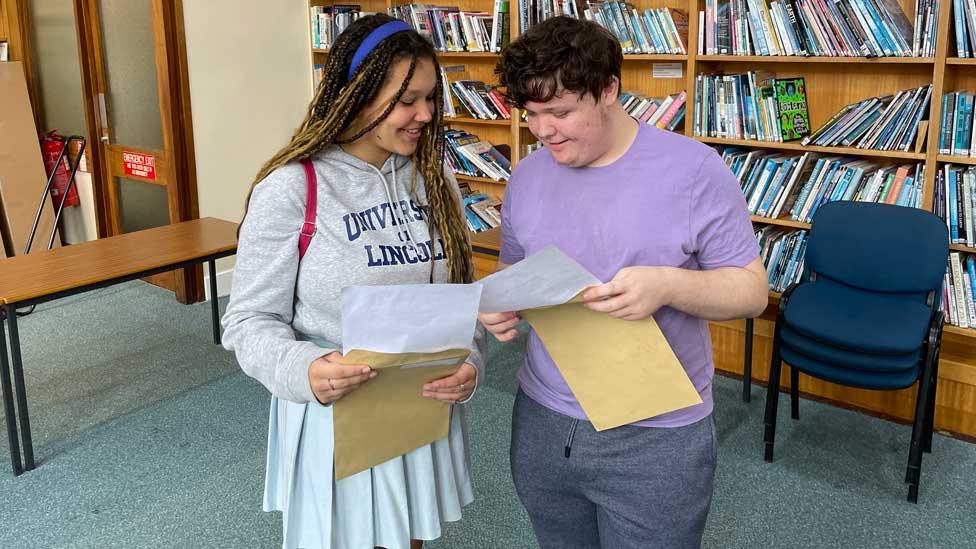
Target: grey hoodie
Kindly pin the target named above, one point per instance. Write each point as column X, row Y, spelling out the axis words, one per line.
column 371, row 230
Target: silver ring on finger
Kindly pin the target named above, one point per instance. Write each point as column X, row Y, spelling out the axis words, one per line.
column 331, row 386
column 461, row 388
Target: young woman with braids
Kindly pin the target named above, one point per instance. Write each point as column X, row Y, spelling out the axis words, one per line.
column 387, row 213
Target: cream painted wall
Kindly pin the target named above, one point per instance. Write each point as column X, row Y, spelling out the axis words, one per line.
column 250, row 83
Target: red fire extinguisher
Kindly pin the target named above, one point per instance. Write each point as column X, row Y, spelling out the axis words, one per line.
column 51, row 145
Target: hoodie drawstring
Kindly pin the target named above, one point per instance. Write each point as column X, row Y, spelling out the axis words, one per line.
column 572, row 433
column 394, row 199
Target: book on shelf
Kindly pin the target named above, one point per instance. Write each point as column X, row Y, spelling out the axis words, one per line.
column 530, row 148
column 956, row 128
column 964, row 24
column 887, row 123
column 838, row 28
column 328, row 22
column 452, row 29
column 737, row 106
column 958, row 287
column 479, row 100
column 482, row 212
column 777, row 184
column 783, row 253
column 665, row 113
column 651, row 31
column 954, row 200
column 467, row 154
column 318, row 73
column 791, row 104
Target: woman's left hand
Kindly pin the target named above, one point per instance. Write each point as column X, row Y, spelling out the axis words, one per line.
column 455, row 387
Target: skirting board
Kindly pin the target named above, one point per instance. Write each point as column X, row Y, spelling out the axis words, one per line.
column 223, row 282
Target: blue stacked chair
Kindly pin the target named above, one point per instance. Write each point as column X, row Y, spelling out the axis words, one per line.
column 866, row 312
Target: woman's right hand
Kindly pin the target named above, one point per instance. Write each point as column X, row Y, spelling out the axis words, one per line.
column 331, row 380
column 502, row 325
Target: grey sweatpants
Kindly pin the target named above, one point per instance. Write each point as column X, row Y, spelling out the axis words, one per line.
column 629, row 487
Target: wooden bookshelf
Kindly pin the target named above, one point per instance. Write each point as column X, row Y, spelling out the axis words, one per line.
column 832, row 82
column 483, row 180
column 475, row 121
column 779, row 222
column 754, row 59
column 950, row 159
column 796, row 146
column 654, row 57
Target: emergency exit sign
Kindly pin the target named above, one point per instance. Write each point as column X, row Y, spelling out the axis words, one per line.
column 139, row 165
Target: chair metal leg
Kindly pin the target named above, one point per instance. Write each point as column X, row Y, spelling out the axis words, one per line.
column 20, row 386
column 794, row 393
column 772, row 400
column 214, row 305
column 8, row 404
column 930, row 415
column 918, row 398
column 747, row 364
column 914, row 472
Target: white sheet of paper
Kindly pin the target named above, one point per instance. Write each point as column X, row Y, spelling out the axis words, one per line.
column 546, row 278
column 409, row 318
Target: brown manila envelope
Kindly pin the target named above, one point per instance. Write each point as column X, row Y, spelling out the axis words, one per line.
column 387, row 417
column 621, row 371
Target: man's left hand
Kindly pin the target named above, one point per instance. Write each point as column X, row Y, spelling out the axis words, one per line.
column 456, row 387
column 635, row 293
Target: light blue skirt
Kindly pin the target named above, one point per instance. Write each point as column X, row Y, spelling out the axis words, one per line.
column 405, row 498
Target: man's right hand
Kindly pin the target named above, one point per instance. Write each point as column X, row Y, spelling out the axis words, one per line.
column 502, row 325
column 331, row 381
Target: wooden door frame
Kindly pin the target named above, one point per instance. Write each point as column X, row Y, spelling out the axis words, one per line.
column 177, row 159
column 20, row 49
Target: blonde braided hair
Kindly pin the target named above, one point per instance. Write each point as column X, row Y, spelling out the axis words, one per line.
column 336, row 106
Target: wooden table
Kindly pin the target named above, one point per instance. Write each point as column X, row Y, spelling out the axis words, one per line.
column 45, row 276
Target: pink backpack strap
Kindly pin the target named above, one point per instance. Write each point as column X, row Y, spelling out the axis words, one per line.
column 311, row 206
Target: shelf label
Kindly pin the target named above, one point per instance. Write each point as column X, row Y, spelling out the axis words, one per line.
column 668, row 70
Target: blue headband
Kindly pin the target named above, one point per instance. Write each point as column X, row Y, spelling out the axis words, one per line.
column 379, row 34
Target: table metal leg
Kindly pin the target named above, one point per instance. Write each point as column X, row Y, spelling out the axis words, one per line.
column 8, row 404
column 747, row 364
column 214, row 304
column 25, row 430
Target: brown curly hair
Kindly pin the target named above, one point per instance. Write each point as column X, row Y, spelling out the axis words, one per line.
column 561, row 52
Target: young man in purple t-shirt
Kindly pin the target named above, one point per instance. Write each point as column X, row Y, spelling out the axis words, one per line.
column 662, row 220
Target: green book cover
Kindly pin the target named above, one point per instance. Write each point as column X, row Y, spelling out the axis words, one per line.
column 791, row 97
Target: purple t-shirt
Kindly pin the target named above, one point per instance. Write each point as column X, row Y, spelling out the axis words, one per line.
column 669, row 200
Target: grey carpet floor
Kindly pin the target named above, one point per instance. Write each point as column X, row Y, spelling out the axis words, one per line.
column 148, row 435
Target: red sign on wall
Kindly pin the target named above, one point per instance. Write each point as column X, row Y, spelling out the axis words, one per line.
column 139, row 165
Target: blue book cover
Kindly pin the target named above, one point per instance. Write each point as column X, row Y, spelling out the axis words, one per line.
column 879, row 30
column 845, row 180
column 768, row 175
column 823, row 189
column 944, row 125
column 755, row 175
column 801, row 199
column 474, row 222
column 906, row 192
column 962, row 49
column 856, row 180
column 963, row 124
column 773, row 191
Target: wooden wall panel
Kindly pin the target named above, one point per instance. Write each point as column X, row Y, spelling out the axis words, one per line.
column 955, row 400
